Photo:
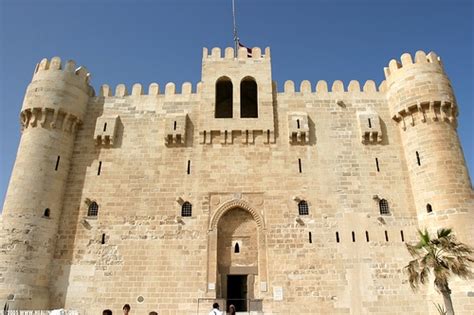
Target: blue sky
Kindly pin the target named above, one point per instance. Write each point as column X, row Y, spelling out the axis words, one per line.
column 161, row 41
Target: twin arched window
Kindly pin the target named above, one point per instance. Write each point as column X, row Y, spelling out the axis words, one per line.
column 248, row 98
column 93, row 210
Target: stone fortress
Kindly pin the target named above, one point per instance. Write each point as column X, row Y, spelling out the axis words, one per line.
column 293, row 202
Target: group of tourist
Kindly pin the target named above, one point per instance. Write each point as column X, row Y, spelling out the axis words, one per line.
column 215, row 310
column 126, row 309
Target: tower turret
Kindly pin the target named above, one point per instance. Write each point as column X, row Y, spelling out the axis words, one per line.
column 423, row 104
column 54, row 106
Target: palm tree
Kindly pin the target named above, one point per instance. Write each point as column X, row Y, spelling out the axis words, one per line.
column 444, row 256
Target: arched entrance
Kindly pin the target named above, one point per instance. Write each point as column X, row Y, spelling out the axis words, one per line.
column 237, row 257
column 237, row 268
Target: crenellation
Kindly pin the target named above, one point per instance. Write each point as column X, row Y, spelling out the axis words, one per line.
column 121, row 90
column 137, row 89
column 152, row 194
column 305, row 86
column 170, row 89
column 153, row 89
column 337, row 86
column 322, row 87
column 105, row 91
column 354, row 86
column 289, row 87
column 242, row 54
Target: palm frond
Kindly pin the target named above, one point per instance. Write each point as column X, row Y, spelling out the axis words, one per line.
column 443, row 255
column 441, row 233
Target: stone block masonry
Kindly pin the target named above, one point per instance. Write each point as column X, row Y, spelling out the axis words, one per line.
column 297, row 201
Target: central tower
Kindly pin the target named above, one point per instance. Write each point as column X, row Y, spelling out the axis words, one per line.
column 237, row 96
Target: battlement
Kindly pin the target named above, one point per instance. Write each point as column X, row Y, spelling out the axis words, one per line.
column 153, row 90
column 55, row 64
column 421, row 58
column 337, row 87
column 242, row 54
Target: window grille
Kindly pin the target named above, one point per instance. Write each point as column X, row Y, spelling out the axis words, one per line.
column 186, row 209
column 384, row 209
column 93, row 210
column 303, row 208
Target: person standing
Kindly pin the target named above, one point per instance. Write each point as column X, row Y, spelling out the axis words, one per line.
column 215, row 309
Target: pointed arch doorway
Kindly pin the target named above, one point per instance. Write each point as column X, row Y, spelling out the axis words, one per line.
column 237, row 268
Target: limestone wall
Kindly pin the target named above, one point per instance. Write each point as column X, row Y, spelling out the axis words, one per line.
column 141, row 155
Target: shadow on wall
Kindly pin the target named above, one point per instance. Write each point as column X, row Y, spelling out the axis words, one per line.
column 383, row 128
column 72, row 217
column 275, row 110
column 312, row 131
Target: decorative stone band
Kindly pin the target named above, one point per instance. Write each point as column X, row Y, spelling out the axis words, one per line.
column 49, row 118
column 228, row 136
column 422, row 111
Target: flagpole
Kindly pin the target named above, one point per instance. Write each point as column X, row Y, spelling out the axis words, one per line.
column 236, row 39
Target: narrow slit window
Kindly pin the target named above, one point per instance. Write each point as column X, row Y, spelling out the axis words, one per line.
column 367, row 236
column 105, row 126
column 298, row 123
column 402, row 236
column 189, row 167
column 377, row 164
column 93, row 210
column 370, row 123
column 57, row 163
column 299, row 166
column 237, row 248
column 174, row 125
column 310, row 238
column 99, row 168
column 418, row 161
column 353, row 236
column 103, row 239
column 386, row 236
column 186, row 209
column 383, row 207
column 303, row 208
column 46, row 212
column 429, row 208
column 337, row 237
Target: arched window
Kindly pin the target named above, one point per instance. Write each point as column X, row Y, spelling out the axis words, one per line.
column 223, row 98
column 429, row 208
column 248, row 98
column 46, row 213
column 383, row 206
column 186, row 209
column 236, row 248
column 93, row 210
column 303, row 208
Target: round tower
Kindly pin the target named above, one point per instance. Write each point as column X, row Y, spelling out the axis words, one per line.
column 422, row 102
column 54, row 106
